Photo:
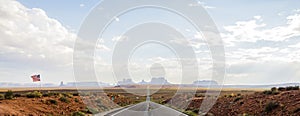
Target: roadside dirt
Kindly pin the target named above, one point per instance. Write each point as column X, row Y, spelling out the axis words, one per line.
column 39, row 106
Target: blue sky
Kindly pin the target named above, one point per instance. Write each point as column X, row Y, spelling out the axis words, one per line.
column 261, row 40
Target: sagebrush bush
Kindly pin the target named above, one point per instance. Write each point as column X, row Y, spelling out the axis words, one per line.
column 34, row 94
column 76, row 100
column 268, row 92
column 2, row 97
column 237, row 99
column 190, row 113
column 9, row 95
column 64, row 99
column 281, row 89
column 273, row 89
column 52, row 101
column 53, row 94
column 69, row 95
column 271, row 106
column 17, row 95
column 78, row 114
column 75, row 94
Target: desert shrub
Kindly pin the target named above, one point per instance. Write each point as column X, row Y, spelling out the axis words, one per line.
column 85, row 94
column 76, row 100
column 17, row 95
column 78, row 114
column 196, row 111
column 52, row 101
column 281, row 89
column 9, row 95
column 190, row 113
column 238, row 94
column 273, row 89
column 289, row 88
column 75, row 94
column 237, row 99
column 2, row 97
column 268, row 92
column 69, row 95
column 296, row 88
column 199, row 95
column 53, row 94
column 64, row 99
column 271, row 106
column 34, row 94
column 92, row 110
column 46, row 95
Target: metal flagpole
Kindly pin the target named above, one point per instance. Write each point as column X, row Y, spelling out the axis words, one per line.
column 40, row 84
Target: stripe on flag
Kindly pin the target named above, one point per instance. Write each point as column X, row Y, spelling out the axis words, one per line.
column 36, row 78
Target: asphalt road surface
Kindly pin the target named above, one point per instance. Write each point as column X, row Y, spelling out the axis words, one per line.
column 147, row 108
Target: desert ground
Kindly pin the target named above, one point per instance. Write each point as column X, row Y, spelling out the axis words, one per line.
column 68, row 101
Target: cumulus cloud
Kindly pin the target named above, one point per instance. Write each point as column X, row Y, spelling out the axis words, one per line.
column 31, row 39
column 258, row 53
column 255, row 30
column 30, row 33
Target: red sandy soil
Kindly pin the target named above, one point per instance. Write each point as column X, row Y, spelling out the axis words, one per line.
column 251, row 104
column 255, row 104
column 39, row 106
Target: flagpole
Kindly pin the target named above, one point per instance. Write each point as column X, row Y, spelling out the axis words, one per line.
column 40, row 84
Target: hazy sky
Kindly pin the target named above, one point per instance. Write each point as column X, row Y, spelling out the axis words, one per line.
column 261, row 39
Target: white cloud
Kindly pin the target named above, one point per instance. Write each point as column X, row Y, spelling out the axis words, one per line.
column 34, row 33
column 199, row 3
column 119, row 38
column 257, row 17
column 252, row 31
column 81, row 5
column 30, row 39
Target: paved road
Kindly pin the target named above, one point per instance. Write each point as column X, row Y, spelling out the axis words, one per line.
column 147, row 108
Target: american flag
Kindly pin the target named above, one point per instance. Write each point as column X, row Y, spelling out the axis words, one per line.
column 36, row 78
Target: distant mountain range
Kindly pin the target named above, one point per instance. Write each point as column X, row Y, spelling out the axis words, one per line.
column 154, row 81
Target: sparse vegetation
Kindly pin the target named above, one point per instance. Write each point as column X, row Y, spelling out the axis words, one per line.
column 281, row 89
column 46, row 95
column 17, row 95
column 69, row 95
column 76, row 100
column 78, row 114
column 52, row 101
column 53, row 94
column 92, row 110
column 237, row 98
column 289, row 88
column 271, row 106
column 64, row 99
column 75, row 94
column 34, row 94
column 2, row 97
column 268, row 92
column 9, row 95
column 190, row 113
column 273, row 89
